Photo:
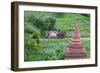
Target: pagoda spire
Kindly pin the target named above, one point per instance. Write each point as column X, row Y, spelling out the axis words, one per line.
column 75, row 49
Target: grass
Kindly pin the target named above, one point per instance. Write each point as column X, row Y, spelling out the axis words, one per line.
column 68, row 22
column 54, row 49
column 86, row 44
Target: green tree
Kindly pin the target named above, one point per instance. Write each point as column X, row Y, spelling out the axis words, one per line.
column 44, row 22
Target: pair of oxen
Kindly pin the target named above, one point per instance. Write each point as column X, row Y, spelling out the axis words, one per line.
column 55, row 34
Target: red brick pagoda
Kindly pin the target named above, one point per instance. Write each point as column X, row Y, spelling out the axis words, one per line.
column 75, row 49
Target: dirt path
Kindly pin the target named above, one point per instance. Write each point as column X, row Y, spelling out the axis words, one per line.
column 65, row 39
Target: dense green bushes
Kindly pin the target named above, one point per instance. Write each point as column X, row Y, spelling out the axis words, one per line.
column 37, row 48
column 54, row 50
column 46, row 21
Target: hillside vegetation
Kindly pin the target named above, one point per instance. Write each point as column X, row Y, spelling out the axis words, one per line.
column 38, row 48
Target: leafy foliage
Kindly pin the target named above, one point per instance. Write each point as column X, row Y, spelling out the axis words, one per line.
column 38, row 48
column 55, row 50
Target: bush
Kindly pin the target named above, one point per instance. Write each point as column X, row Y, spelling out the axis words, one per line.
column 32, row 44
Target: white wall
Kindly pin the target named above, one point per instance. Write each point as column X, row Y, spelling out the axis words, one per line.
column 5, row 26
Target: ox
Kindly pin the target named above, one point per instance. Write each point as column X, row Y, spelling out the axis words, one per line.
column 61, row 35
column 51, row 34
